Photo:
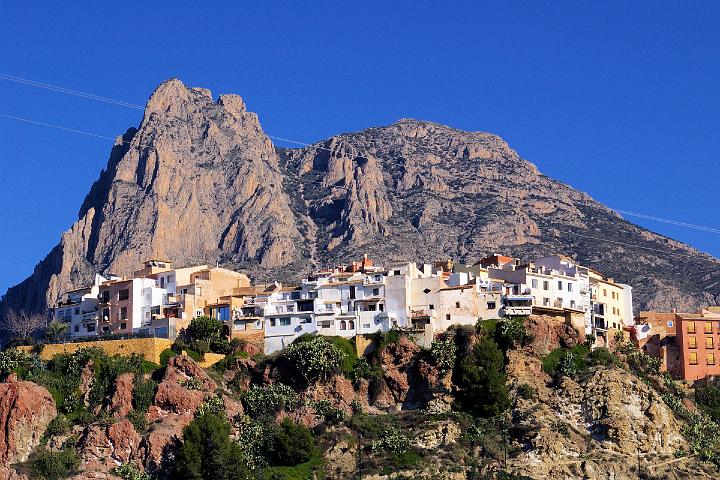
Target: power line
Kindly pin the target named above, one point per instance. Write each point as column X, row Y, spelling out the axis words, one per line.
column 57, row 88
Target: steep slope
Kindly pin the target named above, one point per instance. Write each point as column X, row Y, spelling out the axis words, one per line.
column 199, row 181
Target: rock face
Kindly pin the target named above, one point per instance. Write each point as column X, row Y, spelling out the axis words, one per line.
column 26, row 409
column 199, row 181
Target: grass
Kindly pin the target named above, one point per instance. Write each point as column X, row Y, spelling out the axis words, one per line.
column 311, row 469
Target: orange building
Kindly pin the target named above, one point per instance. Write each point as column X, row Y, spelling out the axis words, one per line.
column 698, row 338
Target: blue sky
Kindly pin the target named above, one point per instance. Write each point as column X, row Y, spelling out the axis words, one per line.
column 618, row 99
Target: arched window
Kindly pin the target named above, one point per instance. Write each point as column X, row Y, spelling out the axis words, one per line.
column 343, row 325
column 351, row 325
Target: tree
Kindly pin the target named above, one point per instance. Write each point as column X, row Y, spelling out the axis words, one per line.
column 55, row 331
column 22, row 324
column 291, row 444
column 204, row 329
column 315, row 358
column 208, row 451
column 481, row 378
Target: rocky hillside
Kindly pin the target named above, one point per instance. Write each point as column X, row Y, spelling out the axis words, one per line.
column 396, row 413
column 199, row 181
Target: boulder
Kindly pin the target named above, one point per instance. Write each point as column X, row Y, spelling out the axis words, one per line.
column 121, row 401
column 26, row 409
column 103, row 447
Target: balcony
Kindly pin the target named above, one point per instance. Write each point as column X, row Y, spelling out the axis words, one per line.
column 367, row 281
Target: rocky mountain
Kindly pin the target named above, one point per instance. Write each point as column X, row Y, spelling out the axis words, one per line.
column 199, row 181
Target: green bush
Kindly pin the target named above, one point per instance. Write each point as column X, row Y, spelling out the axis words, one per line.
column 481, row 379
column 347, row 347
column 138, row 419
column 707, row 397
column 11, row 360
column 365, row 369
column 130, row 471
column 511, row 332
column 443, row 352
column 204, row 329
column 58, row 426
column 143, row 393
column 207, row 451
column 324, row 410
column 290, row 444
column 392, row 441
column 601, row 356
column 526, row 391
column 315, row 358
column 557, row 359
column 47, row 465
column 165, row 356
column 213, row 405
column 268, row 400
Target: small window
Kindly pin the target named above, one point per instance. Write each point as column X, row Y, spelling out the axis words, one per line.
column 708, row 342
column 396, row 272
column 284, row 322
column 431, row 306
column 569, row 285
column 711, row 358
column 77, row 328
column 604, row 292
column 77, row 311
column 376, row 292
column 534, row 283
column 546, row 302
column 378, row 278
column 457, row 304
column 546, row 285
column 491, row 305
column 692, row 342
column 447, row 316
column 693, row 358
column 670, row 323
column 366, row 325
column 560, row 287
column 708, row 327
column 273, row 322
column 123, row 326
column 325, row 324
column 343, row 325
column 123, row 313
column 351, row 325
column 123, row 294
column 691, row 327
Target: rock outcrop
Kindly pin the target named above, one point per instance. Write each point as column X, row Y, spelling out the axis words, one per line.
column 199, row 181
column 26, row 409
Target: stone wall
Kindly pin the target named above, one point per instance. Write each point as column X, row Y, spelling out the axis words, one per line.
column 150, row 348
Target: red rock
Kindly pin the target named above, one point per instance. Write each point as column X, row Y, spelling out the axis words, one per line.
column 26, row 409
column 121, row 401
column 104, row 447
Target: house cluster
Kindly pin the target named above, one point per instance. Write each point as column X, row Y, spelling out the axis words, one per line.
column 687, row 344
column 348, row 300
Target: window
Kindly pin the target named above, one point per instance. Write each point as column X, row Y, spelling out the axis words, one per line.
column 162, row 282
column 105, row 296
column 457, row 304
column 352, row 291
column 106, row 329
column 377, row 278
column 123, row 326
column 604, row 292
column 123, row 313
column 572, row 303
column 534, row 283
column 147, row 315
column 710, row 358
column 351, row 324
column 325, row 324
column 491, row 305
column 284, row 322
column 431, row 306
column 343, row 325
column 76, row 329
column 306, row 320
column 546, row 285
column 546, row 302
column 670, row 323
column 708, row 327
column 223, row 313
column 372, row 307
column 447, row 316
column 692, row 342
column 396, row 272
column 77, row 311
column 198, row 291
column 106, row 314
column 123, row 294
column 376, row 292
column 170, row 279
column 381, row 306
column 560, row 287
column 691, row 327
column 366, row 325
column 273, row 322
column 693, row 358
column 569, row 285
column 91, row 328
column 708, row 342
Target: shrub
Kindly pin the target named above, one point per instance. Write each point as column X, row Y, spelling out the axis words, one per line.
column 253, row 440
column 526, row 391
column 12, row 359
column 392, row 441
column 130, row 471
column 165, row 356
column 50, row 465
column 552, row 362
column 290, row 444
column 143, row 393
column 365, row 369
column 481, row 379
column 220, row 345
column 268, row 400
column 315, row 358
column 325, row 410
column 58, row 426
column 510, row 332
column 568, row 365
column 707, row 397
column 207, row 451
column 138, row 419
column 204, row 329
column 213, row 405
column 601, row 356
column 347, row 347
column 443, row 353
column 192, row 383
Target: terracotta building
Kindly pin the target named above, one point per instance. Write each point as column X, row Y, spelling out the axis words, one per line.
column 698, row 338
